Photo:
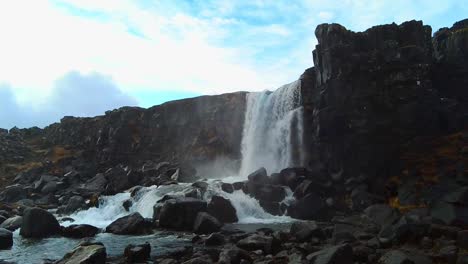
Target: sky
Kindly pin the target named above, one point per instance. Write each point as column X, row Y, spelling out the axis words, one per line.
column 84, row 57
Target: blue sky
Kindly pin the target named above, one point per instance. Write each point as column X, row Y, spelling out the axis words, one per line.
column 142, row 53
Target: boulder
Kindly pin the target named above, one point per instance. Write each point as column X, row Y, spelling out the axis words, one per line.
column 259, row 176
column 222, row 209
column 180, row 213
column 450, row 214
column 133, row 224
column 138, row 253
column 215, row 239
column 118, row 180
column 227, row 187
column 12, row 223
column 310, row 207
column 50, row 187
column 303, row 231
column 74, row 203
column 292, row 177
column 79, row 231
column 258, row 242
column 206, row 224
column 382, row 214
column 13, row 193
column 6, row 239
column 2, row 219
column 38, row 223
column 395, row 257
column 265, row 192
column 462, row 239
column 342, row 254
column 85, row 254
column 95, row 185
column 238, row 186
column 234, row 255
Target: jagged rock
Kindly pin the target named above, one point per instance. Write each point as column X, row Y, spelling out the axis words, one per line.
column 38, row 223
column 342, row 254
column 395, row 257
column 265, row 192
column 292, row 177
column 259, row 176
column 97, row 184
column 180, row 213
column 238, row 186
column 79, row 231
column 206, row 224
column 133, row 224
column 6, row 239
column 50, row 187
column 118, row 180
column 12, row 223
column 138, row 253
column 86, row 254
column 304, row 230
column 222, row 209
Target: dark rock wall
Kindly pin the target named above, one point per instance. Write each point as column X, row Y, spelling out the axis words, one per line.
column 372, row 93
column 186, row 131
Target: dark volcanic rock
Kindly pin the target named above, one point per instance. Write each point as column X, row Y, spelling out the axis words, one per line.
column 180, row 213
column 133, row 224
column 6, row 239
column 304, row 231
column 234, row 255
column 258, row 242
column 79, row 231
column 206, row 224
column 395, row 257
column 222, row 209
column 13, row 194
column 38, row 223
column 259, row 176
column 74, row 203
column 86, row 254
column 137, row 254
column 310, row 207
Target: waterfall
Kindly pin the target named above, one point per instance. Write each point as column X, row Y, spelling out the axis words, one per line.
column 272, row 136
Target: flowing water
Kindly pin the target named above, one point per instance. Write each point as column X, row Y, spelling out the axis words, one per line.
column 272, row 138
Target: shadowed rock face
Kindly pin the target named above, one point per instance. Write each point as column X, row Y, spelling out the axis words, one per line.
column 372, row 93
column 190, row 130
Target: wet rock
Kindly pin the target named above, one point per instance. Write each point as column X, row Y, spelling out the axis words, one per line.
column 138, row 253
column 222, row 209
column 79, row 231
column 127, row 204
column 238, row 185
column 259, row 176
column 273, row 208
column 436, row 231
column 342, row 254
column 133, row 224
column 292, row 177
column 361, row 253
column 265, row 192
column 13, row 194
column 206, row 224
column 86, row 254
column 2, row 219
column 180, row 213
column 74, row 203
column 303, row 231
column 227, row 187
column 257, row 242
column 234, row 255
column 38, row 223
column 6, row 239
column 95, row 185
column 215, row 239
column 118, row 180
column 12, row 223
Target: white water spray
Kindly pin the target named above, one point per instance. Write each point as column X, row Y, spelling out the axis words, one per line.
column 272, row 136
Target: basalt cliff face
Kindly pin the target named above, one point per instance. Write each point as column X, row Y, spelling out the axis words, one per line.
column 375, row 96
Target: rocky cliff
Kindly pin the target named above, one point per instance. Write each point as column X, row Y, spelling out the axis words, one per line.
column 375, row 95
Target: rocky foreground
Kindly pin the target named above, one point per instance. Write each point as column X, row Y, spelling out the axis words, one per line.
column 385, row 181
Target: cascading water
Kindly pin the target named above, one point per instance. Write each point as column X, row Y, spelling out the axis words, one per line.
column 272, row 136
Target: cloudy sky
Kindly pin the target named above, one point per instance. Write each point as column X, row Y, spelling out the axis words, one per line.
column 83, row 57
